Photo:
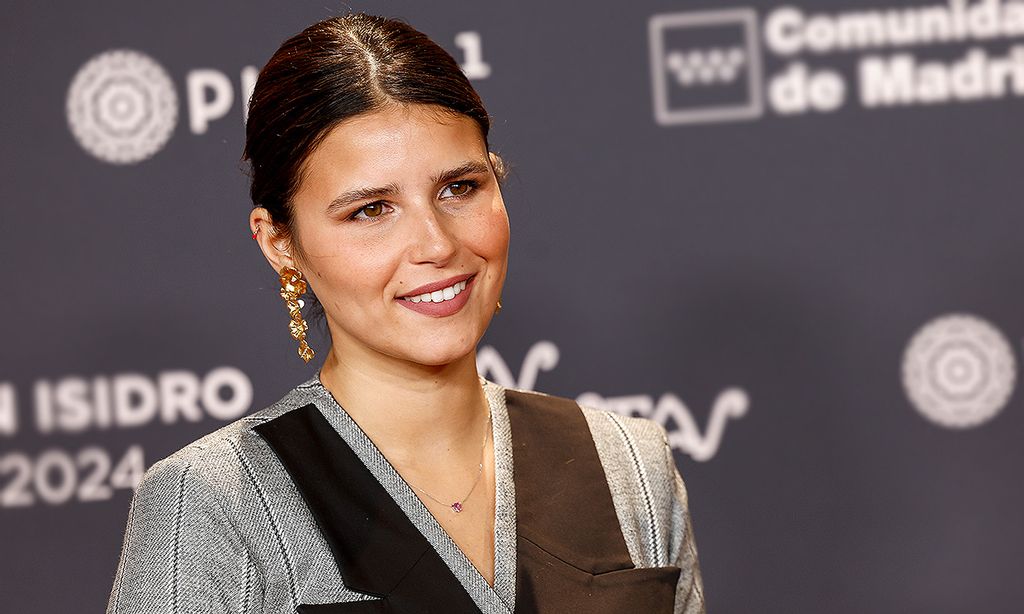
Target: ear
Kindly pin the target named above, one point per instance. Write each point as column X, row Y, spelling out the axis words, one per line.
column 498, row 166
column 276, row 248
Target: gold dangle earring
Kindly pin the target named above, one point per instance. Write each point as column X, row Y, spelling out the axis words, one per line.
column 292, row 287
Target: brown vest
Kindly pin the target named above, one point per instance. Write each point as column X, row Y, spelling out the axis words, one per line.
column 570, row 553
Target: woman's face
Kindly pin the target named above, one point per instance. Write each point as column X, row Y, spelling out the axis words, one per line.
column 403, row 234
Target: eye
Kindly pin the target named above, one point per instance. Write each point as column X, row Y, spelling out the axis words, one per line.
column 459, row 188
column 369, row 211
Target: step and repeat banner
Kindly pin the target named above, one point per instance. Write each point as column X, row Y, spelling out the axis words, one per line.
column 790, row 233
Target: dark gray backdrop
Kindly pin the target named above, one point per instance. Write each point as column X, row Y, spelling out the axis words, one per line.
column 751, row 278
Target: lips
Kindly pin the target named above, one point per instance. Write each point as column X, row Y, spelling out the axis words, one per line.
column 437, row 285
column 446, row 301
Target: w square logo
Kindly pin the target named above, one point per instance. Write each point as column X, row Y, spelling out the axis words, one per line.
column 705, row 66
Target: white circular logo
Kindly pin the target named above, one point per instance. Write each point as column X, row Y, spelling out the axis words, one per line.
column 959, row 371
column 122, row 106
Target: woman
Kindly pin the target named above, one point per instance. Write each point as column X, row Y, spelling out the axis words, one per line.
column 397, row 479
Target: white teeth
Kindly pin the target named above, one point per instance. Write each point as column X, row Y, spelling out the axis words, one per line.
column 437, row 296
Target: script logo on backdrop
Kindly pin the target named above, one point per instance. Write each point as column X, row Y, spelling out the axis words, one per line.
column 706, row 66
column 959, row 371
column 122, row 106
column 668, row 409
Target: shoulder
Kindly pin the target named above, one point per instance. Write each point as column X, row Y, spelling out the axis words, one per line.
column 644, row 439
column 635, row 454
column 197, row 520
column 641, row 474
column 223, row 461
column 637, row 444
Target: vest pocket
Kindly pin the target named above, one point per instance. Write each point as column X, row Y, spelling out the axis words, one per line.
column 547, row 584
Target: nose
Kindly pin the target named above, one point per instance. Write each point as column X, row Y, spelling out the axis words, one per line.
column 433, row 241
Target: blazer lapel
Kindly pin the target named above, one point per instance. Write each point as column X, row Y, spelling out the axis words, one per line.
column 377, row 548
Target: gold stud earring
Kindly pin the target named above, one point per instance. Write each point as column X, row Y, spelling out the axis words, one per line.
column 497, row 308
column 292, row 287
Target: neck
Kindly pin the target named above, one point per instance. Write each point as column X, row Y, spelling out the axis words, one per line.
column 410, row 411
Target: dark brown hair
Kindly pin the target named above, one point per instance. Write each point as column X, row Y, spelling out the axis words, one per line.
column 334, row 70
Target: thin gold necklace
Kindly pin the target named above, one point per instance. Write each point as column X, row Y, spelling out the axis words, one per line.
column 456, row 505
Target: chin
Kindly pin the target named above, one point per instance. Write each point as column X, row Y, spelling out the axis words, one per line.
column 440, row 355
column 439, row 359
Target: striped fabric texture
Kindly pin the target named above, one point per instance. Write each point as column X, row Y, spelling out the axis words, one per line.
column 219, row 526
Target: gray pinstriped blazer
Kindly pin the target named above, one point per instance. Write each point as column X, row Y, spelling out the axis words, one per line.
column 219, row 526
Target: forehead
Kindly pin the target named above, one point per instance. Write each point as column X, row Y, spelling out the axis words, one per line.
column 396, row 144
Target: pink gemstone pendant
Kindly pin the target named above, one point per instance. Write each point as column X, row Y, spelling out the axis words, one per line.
column 457, row 507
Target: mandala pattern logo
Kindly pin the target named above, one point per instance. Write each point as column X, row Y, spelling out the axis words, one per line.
column 122, row 107
column 959, row 371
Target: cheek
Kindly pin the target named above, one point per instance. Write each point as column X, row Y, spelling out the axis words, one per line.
column 500, row 234
column 489, row 234
column 345, row 265
column 358, row 272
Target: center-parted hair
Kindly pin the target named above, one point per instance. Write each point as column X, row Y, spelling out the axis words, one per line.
column 334, row 70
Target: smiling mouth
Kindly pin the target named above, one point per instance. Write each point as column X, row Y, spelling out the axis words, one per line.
column 438, row 296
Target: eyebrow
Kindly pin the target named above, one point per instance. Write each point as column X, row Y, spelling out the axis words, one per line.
column 351, row 196
column 343, row 200
column 470, row 167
